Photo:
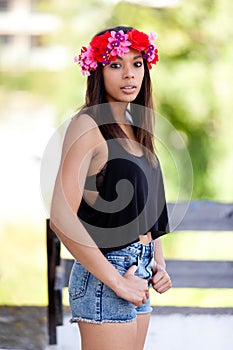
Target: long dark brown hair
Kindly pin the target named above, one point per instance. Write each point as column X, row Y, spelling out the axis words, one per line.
column 143, row 118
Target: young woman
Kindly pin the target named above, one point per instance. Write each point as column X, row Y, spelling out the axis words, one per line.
column 108, row 204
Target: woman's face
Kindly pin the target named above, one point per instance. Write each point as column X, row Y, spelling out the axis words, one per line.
column 123, row 77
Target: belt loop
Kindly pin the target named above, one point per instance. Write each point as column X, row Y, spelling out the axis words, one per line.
column 152, row 248
column 142, row 250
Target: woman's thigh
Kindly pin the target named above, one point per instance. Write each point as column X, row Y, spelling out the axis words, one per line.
column 143, row 321
column 105, row 336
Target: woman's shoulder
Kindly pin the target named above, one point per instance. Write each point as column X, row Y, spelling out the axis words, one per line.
column 83, row 120
column 82, row 129
column 82, row 124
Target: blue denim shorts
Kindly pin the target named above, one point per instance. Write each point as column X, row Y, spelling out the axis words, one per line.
column 94, row 302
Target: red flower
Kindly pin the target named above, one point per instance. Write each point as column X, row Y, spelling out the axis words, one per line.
column 99, row 45
column 155, row 59
column 138, row 39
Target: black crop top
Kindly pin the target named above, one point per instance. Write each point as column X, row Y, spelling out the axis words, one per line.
column 130, row 202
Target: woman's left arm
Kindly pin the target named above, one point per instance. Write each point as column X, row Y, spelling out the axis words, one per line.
column 161, row 281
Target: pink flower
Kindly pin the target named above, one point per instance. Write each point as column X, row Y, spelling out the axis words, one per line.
column 152, row 37
column 90, row 58
column 118, row 43
column 86, row 60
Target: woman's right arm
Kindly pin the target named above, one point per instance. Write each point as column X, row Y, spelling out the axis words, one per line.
column 79, row 148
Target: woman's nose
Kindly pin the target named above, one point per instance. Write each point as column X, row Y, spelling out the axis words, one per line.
column 128, row 73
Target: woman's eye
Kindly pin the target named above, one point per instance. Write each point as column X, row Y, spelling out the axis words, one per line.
column 138, row 64
column 115, row 65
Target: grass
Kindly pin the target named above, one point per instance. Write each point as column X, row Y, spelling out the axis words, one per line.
column 199, row 245
column 193, row 297
column 23, row 264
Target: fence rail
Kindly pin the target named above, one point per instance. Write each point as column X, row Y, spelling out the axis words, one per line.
column 203, row 216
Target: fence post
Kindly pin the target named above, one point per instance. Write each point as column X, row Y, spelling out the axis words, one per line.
column 51, row 265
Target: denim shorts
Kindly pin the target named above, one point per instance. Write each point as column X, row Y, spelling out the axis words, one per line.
column 94, row 302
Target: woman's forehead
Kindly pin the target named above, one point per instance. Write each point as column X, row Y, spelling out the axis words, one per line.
column 133, row 54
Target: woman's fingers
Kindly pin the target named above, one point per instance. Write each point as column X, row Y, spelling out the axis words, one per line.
column 135, row 287
column 162, row 287
column 131, row 271
column 161, row 281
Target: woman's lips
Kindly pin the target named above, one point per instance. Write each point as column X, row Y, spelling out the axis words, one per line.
column 128, row 89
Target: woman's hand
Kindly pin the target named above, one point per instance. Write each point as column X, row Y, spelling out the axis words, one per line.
column 160, row 280
column 133, row 288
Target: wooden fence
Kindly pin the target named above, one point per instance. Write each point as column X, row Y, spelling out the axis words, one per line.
column 200, row 216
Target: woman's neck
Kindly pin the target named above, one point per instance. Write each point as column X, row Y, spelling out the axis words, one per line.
column 118, row 111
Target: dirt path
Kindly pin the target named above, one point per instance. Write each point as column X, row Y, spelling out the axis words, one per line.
column 23, row 328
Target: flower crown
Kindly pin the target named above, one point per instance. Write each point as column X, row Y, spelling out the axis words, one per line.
column 106, row 47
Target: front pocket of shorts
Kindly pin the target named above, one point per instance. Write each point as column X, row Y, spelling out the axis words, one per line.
column 78, row 281
column 122, row 264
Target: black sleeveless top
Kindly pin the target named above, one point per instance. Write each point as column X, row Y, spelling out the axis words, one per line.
column 130, row 202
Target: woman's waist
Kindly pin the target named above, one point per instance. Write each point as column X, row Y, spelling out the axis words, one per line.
column 144, row 245
column 145, row 239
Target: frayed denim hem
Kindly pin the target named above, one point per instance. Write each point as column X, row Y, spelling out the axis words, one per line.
column 81, row 319
column 143, row 312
